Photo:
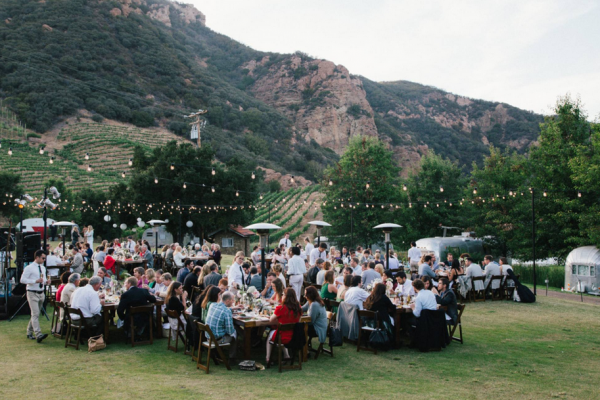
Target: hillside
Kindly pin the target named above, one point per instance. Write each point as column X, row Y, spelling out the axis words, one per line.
column 149, row 62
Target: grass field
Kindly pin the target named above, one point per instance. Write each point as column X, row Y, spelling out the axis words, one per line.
column 550, row 349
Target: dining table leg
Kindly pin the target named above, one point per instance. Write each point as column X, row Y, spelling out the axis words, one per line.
column 247, row 342
column 305, row 349
column 105, row 314
column 397, row 328
column 158, row 330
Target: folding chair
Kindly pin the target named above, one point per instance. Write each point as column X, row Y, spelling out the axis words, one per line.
column 331, row 304
column 452, row 328
column 180, row 332
column 280, row 346
column 509, row 290
column 321, row 349
column 497, row 294
column 149, row 311
column 75, row 325
column 477, row 295
column 210, row 344
column 362, row 316
column 58, row 306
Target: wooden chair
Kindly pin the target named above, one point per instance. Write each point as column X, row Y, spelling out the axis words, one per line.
column 280, row 346
column 195, row 293
column 149, row 311
column 58, row 306
column 509, row 290
column 75, row 325
column 321, row 349
column 210, row 344
column 362, row 316
column 331, row 304
column 477, row 295
column 452, row 328
column 497, row 294
column 179, row 333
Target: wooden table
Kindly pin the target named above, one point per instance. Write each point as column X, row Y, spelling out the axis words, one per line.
column 249, row 324
column 129, row 265
column 196, row 258
column 400, row 311
column 111, row 308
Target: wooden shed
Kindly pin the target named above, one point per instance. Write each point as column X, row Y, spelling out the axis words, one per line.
column 232, row 239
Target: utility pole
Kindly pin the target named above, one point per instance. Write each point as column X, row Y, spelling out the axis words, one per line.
column 197, row 125
column 533, row 237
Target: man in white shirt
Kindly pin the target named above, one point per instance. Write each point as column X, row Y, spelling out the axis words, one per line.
column 405, row 287
column 474, row 271
column 236, row 275
column 355, row 265
column 296, row 270
column 318, row 253
column 34, row 276
column 88, row 301
column 286, row 241
column 356, row 295
column 308, row 247
column 394, row 264
column 340, row 279
column 414, row 257
column 52, row 261
column 255, row 255
column 130, row 245
column 425, row 299
column 491, row 269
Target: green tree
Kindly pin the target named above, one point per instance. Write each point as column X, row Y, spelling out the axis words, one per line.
column 366, row 160
column 10, row 189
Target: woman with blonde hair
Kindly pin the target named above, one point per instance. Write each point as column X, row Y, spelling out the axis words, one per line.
column 379, row 268
column 321, row 274
column 204, row 273
column 164, row 250
column 178, row 257
column 205, row 250
column 278, row 270
column 89, row 236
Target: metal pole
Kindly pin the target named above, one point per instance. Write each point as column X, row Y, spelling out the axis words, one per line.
column 64, row 233
column 352, row 225
column 318, row 236
column 45, row 220
column 263, row 271
column 156, row 239
column 387, row 255
column 533, row 237
column 180, row 234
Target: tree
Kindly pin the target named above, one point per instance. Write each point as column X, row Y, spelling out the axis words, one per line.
column 10, row 189
column 428, row 206
column 366, row 160
column 562, row 137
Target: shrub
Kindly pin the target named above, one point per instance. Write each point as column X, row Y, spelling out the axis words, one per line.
column 554, row 273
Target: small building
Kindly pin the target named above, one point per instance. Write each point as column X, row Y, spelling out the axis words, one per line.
column 581, row 267
column 232, row 239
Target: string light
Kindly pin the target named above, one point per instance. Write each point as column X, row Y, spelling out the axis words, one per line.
column 130, row 162
column 330, row 182
column 578, row 194
column 510, row 193
column 87, row 156
column 441, row 189
column 123, row 174
column 404, row 188
column 172, row 167
column 155, row 180
column 213, row 171
column 42, row 150
column 261, row 196
column 368, row 184
column 292, row 179
column 237, row 193
column 253, row 176
column 475, row 191
column 212, row 189
column 51, row 160
column 184, row 185
column 545, row 193
column 89, row 168
column 10, row 151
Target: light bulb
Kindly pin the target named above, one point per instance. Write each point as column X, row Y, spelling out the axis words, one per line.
column 213, row 171
column 155, row 180
column 545, row 193
column 42, row 150
column 184, row 185
column 475, row 191
column 172, row 167
column 441, row 189
column 237, row 193
column 292, row 179
column 253, row 176
column 261, row 196
column 89, row 168
column 87, row 156
column 578, row 194
column 368, row 184
column 212, row 189
column 51, row 160
column 330, row 182
column 130, row 162
column 123, row 174
column 404, row 188
column 10, row 151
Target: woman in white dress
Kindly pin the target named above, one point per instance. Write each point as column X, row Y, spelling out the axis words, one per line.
column 89, row 236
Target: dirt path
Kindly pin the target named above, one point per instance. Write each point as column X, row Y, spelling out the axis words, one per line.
column 568, row 296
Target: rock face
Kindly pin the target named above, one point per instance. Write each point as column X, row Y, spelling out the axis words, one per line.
column 324, row 102
column 285, row 180
column 162, row 11
column 47, row 28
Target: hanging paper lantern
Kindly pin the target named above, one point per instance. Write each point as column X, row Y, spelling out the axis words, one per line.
column 141, row 224
column 123, row 226
column 114, row 225
column 189, row 224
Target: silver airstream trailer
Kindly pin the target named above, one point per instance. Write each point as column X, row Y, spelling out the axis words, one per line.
column 581, row 268
column 441, row 246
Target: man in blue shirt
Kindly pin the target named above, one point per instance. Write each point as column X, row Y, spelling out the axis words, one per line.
column 425, row 268
column 220, row 321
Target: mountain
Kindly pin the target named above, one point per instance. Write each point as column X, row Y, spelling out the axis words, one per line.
column 149, row 62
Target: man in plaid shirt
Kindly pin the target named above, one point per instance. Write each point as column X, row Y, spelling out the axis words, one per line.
column 220, row 321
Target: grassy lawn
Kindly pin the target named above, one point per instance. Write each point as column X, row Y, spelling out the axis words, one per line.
column 550, row 349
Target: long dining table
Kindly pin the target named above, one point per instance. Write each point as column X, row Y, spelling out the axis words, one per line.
column 110, row 309
column 401, row 313
column 250, row 323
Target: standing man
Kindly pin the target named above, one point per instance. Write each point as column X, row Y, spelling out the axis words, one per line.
column 34, row 275
column 318, row 253
column 296, row 270
column 308, row 247
column 130, row 245
column 286, row 241
column 414, row 256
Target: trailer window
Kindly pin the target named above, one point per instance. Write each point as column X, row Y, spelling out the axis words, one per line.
column 583, row 270
column 592, row 271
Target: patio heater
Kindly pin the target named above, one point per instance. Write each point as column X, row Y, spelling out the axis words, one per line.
column 263, row 233
column 319, row 225
column 387, row 229
column 155, row 224
column 63, row 230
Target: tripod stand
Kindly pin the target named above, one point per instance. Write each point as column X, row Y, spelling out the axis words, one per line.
column 22, row 303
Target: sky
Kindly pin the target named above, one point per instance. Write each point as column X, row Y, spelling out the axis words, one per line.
column 524, row 53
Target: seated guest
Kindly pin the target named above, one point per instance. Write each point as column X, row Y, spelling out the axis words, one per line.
column 183, row 272
column 321, row 274
column 191, row 280
column 355, row 295
column 87, row 249
column 52, row 260
column 147, row 255
column 355, row 265
column 134, row 297
column 64, row 280
column 328, row 290
column 428, row 282
column 197, row 303
column 474, row 271
column 100, row 255
column 314, row 271
column 405, row 287
column 211, row 296
column 213, row 277
column 455, row 269
column 384, row 307
column 369, row 275
column 255, row 255
column 267, row 292
column 425, row 300
column 223, row 285
column 504, row 268
column 256, row 279
column 425, row 267
column 317, row 313
column 176, row 301
column 87, row 300
column 342, row 289
column 339, row 281
column 278, row 270
column 104, row 276
column 289, row 312
column 276, row 291
column 109, row 261
column 77, row 263
column 161, row 288
column 158, row 278
column 178, row 257
column 447, row 298
column 379, row 270
column 83, row 282
column 491, row 269
column 140, row 275
column 220, row 321
column 151, row 278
